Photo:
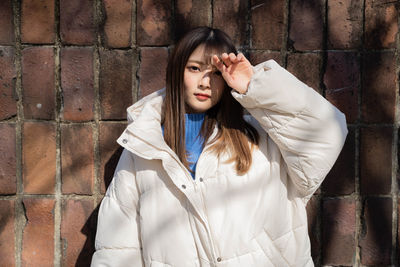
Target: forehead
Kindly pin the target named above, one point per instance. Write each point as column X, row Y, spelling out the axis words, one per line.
column 203, row 54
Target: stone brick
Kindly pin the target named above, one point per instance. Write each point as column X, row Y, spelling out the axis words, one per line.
column 378, row 99
column 117, row 27
column 341, row 179
column 110, row 151
column 306, row 67
column 6, row 22
column 37, row 21
column 152, row 70
column 8, row 170
column 306, row 24
column 38, row 79
column 77, row 80
column 342, row 82
column 154, row 22
column 376, row 236
column 7, row 241
column 190, row 14
column 39, row 157
column 339, row 227
column 231, row 19
column 115, row 83
column 381, row 26
column 8, row 96
column 76, row 22
column 38, row 235
column 257, row 57
column 376, row 160
column 313, row 207
column 267, row 20
column 345, row 23
column 77, row 158
column 77, row 232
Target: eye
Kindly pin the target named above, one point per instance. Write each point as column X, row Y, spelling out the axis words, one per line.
column 193, row 68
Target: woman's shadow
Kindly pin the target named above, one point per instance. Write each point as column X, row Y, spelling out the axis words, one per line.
column 89, row 228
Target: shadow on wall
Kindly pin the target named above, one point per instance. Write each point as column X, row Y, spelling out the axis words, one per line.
column 376, row 220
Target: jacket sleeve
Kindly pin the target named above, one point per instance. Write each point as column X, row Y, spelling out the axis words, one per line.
column 309, row 131
column 117, row 238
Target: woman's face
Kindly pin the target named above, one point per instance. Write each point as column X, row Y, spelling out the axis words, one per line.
column 203, row 83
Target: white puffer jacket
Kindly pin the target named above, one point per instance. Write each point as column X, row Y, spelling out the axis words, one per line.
column 154, row 214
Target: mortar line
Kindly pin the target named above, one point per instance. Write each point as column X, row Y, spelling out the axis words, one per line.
column 98, row 16
column 135, row 56
column 19, row 219
column 286, row 21
column 360, row 198
column 58, row 252
column 395, row 154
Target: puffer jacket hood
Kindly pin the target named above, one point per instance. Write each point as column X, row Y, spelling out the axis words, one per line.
column 155, row 215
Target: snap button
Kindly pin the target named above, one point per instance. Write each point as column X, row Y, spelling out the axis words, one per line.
column 184, row 186
column 124, row 141
column 201, row 179
column 219, row 259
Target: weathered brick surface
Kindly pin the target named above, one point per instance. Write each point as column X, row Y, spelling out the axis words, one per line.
column 77, row 79
column 154, row 22
column 379, row 87
column 190, row 14
column 268, row 20
column 257, row 57
column 110, row 151
column 342, row 82
column 339, row 228
column 152, row 70
column 306, row 67
column 345, row 23
column 7, row 241
column 306, row 24
column 230, row 18
column 69, row 70
column 39, row 157
column 381, row 23
column 38, row 235
column 341, row 179
column 6, row 22
column 8, row 169
column 77, row 232
column 38, row 94
column 37, row 21
column 375, row 160
column 115, row 83
column 77, row 22
column 77, row 158
column 8, row 96
column 117, row 27
column 376, row 235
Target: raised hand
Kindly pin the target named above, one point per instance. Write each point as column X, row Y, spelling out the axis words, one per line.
column 235, row 69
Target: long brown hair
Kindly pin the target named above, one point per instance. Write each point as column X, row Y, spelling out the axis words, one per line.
column 234, row 135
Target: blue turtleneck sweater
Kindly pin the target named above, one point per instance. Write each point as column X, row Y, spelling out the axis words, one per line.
column 194, row 142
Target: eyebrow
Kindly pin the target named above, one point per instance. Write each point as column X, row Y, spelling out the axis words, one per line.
column 197, row 61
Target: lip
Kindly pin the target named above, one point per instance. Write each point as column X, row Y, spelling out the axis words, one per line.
column 201, row 96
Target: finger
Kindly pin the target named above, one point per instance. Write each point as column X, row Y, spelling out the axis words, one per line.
column 232, row 57
column 226, row 60
column 240, row 57
column 217, row 62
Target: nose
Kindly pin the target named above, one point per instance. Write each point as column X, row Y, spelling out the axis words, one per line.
column 205, row 80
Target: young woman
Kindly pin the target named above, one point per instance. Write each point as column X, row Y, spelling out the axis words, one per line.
column 201, row 184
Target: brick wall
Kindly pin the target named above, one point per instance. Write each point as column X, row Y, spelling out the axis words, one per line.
column 69, row 69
